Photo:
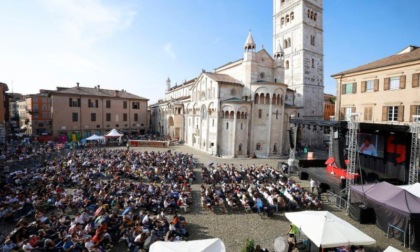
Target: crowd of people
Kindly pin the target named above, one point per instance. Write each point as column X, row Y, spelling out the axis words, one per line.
column 93, row 199
column 262, row 189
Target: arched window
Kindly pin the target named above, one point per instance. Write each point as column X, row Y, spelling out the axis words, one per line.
column 286, row 65
column 312, row 15
column 274, row 100
column 309, row 13
column 282, row 21
column 238, row 115
column 226, row 114
column 315, row 17
column 257, row 99
column 289, row 42
column 267, row 99
column 262, row 98
column 313, row 63
column 292, row 15
column 259, row 113
column 242, row 115
column 227, row 125
column 258, row 147
column 285, row 43
column 246, row 115
column 232, row 114
column 275, row 148
column 287, row 19
column 240, row 148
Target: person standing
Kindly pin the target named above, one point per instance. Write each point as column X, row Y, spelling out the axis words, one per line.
column 312, row 184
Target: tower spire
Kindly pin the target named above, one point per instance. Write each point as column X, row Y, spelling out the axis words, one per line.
column 168, row 84
column 249, row 43
column 278, row 54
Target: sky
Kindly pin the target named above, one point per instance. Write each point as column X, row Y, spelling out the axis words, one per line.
column 137, row 44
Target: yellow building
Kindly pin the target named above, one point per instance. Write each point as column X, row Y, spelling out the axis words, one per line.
column 384, row 91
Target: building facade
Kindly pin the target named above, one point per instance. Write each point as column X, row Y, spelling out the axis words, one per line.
column 384, row 91
column 329, row 106
column 38, row 117
column 80, row 112
column 224, row 112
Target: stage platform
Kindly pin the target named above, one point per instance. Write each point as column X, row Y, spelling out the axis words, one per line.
column 320, row 175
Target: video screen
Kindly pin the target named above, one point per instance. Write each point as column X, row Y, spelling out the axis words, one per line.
column 371, row 144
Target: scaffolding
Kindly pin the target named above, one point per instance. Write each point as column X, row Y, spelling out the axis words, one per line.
column 353, row 127
column 413, row 175
column 331, row 137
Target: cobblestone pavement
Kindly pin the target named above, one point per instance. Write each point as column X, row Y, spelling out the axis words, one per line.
column 235, row 228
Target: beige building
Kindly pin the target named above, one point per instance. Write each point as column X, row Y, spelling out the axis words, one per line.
column 383, row 91
column 79, row 112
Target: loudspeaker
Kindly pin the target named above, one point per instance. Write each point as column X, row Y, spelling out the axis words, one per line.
column 338, row 152
column 303, row 176
column 342, row 184
column 291, row 139
column 324, row 187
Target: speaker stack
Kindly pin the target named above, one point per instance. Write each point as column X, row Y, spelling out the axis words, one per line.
column 338, row 152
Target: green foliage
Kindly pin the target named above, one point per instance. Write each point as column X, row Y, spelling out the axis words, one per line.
column 249, row 246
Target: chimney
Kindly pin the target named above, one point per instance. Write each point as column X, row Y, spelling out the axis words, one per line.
column 99, row 87
column 77, row 84
column 116, row 93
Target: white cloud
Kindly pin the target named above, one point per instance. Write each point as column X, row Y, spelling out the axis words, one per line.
column 169, row 50
column 88, row 21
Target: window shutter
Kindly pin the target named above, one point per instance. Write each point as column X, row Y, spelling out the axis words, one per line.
column 363, row 86
column 343, row 89
column 354, row 87
column 384, row 113
column 402, row 81
column 386, row 84
column 376, row 85
column 413, row 110
column 415, row 80
column 401, row 113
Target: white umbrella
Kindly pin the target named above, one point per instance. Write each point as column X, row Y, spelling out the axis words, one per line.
column 207, row 245
column 326, row 230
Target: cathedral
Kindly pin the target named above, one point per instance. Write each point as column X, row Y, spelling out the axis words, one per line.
column 243, row 108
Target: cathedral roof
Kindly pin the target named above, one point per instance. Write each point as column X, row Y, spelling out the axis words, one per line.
column 96, row 91
column 411, row 53
column 223, row 78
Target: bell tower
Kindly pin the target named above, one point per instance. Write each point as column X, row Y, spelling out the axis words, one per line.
column 298, row 30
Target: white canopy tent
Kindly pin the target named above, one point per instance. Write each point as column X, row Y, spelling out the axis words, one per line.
column 326, row 230
column 114, row 133
column 207, row 245
column 413, row 189
column 95, row 137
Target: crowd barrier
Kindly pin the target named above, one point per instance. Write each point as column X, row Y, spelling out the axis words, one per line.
column 147, row 143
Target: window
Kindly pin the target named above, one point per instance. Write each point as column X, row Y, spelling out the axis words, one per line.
column 136, row 117
column 312, row 40
column 35, row 107
column 287, row 19
column 108, row 117
column 135, row 105
column 258, row 147
column 286, row 65
column 74, row 102
column 282, row 21
column 349, row 88
column 347, row 113
column 125, row 117
column 292, row 15
column 227, row 125
column 368, row 86
column 93, row 117
column 75, row 117
column 108, row 103
column 44, row 100
column 35, row 99
column 241, row 126
column 394, row 83
column 313, row 63
column 259, row 113
column 124, row 104
column 44, row 115
column 367, row 115
column 414, row 110
column 392, row 113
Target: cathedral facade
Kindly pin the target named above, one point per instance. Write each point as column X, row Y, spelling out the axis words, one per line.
column 242, row 108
